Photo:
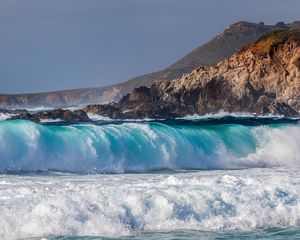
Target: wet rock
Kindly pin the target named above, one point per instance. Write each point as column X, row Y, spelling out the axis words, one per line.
column 63, row 115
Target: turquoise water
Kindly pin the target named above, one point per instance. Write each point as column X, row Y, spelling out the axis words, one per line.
column 207, row 179
column 277, row 233
column 145, row 146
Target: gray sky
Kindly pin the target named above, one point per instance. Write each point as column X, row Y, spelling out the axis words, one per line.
column 62, row 44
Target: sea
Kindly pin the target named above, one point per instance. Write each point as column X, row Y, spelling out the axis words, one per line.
column 223, row 176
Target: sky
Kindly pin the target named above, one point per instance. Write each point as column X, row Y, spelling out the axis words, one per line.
column 48, row 45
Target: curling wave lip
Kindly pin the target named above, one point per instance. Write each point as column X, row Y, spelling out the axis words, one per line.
column 145, row 146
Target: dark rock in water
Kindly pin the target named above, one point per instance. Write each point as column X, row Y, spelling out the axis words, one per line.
column 63, row 115
column 108, row 110
column 159, row 110
column 25, row 116
column 267, row 107
column 13, row 111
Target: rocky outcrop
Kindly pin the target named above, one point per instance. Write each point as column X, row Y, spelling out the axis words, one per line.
column 261, row 78
column 220, row 47
column 57, row 114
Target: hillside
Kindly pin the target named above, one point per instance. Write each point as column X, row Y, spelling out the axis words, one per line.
column 220, row 47
column 262, row 78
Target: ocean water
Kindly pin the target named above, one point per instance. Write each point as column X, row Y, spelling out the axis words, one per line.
column 199, row 178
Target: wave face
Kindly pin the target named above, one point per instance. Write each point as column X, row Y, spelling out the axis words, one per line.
column 142, row 146
column 125, row 205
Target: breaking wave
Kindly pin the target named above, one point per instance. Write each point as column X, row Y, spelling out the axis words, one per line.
column 126, row 205
column 145, row 146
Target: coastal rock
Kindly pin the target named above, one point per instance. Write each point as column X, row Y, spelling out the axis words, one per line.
column 107, row 110
column 57, row 114
column 220, row 47
column 261, row 78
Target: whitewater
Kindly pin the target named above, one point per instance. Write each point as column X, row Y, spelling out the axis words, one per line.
column 205, row 178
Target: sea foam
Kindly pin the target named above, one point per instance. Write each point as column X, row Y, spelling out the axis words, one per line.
column 122, row 205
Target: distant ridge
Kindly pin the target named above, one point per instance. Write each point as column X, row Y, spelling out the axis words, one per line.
column 223, row 46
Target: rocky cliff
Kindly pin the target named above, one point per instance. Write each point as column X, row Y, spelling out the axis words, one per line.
column 261, row 78
column 220, row 47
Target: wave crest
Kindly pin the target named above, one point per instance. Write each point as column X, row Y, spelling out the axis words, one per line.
column 141, row 147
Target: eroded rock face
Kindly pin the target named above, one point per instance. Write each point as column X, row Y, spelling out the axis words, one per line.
column 262, row 78
column 219, row 48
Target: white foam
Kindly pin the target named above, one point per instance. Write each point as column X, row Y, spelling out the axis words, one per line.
column 50, row 120
column 219, row 114
column 97, row 117
column 275, row 147
column 36, row 109
column 222, row 114
column 4, row 116
column 73, row 108
column 122, row 205
column 47, row 108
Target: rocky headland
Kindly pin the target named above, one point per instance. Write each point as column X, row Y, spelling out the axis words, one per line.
column 261, row 78
column 220, row 47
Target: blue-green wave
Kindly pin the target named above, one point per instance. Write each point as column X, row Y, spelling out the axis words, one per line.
column 145, row 146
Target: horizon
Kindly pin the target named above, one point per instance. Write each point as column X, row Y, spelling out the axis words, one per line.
column 51, row 46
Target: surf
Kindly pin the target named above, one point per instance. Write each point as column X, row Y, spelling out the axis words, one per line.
column 208, row 203
column 120, row 147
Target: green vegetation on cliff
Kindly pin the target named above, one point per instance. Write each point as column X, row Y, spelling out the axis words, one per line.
column 273, row 39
